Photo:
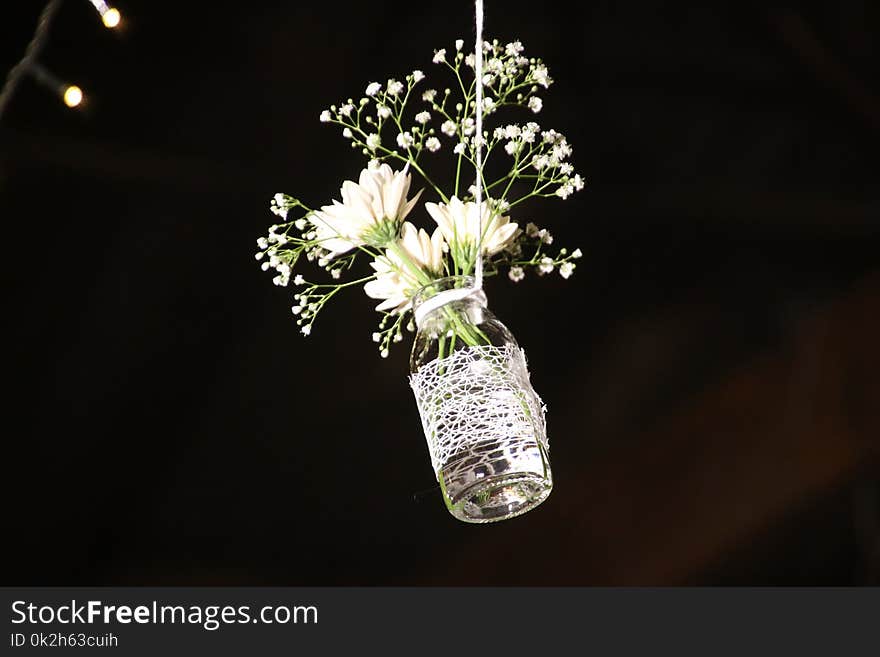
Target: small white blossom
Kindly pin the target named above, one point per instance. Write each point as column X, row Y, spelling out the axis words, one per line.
column 516, row 274
column 346, row 109
column 440, row 56
column 535, row 104
column 383, row 111
column 513, row 49
column 561, row 149
column 298, row 280
column 418, row 76
column 325, row 116
column 469, row 60
column 259, row 255
column 511, row 131
column 540, row 162
column 565, row 190
column 300, row 224
column 429, row 95
column 262, row 243
column 566, row 269
column 423, row 117
column 502, row 205
column 296, row 310
column 394, row 87
column 527, row 134
column 459, row 44
column 432, row 144
column 404, row 140
column 578, row 182
column 565, row 168
column 541, row 76
column 468, row 126
column 373, row 141
column 335, row 273
column 545, row 236
column 488, row 79
column 489, row 105
column 384, row 353
column 265, row 266
column 459, row 148
column 448, row 128
column 377, row 337
column 545, row 265
column 373, row 88
column 347, row 133
column 306, row 329
column 576, row 253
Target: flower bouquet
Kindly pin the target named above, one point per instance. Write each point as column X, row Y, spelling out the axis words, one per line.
column 483, row 421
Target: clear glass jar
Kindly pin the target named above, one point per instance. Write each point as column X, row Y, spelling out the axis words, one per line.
column 482, row 419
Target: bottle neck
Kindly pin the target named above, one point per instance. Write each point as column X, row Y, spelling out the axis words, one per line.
column 444, row 291
column 459, row 296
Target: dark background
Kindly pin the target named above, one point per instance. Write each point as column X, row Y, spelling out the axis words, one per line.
column 711, row 369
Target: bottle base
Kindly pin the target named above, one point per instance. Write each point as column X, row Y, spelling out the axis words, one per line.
column 500, row 497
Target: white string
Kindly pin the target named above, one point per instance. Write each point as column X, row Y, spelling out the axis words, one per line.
column 478, row 195
column 446, row 296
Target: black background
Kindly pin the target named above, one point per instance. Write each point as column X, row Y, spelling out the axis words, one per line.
column 175, row 427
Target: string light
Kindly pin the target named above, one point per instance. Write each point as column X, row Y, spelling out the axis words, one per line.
column 109, row 15
column 71, row 94
column 111, row 18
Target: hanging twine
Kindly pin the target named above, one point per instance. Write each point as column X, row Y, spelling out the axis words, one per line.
column 25, row 64
column 478, row 194
column 447, row 296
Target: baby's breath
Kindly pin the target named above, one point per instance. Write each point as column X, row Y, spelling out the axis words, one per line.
column 411, row 126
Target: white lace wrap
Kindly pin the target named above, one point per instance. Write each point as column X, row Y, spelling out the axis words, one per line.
column 476, row 395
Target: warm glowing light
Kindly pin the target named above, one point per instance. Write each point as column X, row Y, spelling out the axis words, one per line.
column 111, row 17
column 73, row 96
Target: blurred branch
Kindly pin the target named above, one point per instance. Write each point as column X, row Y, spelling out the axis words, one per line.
column 38, row 40
column 796, row 33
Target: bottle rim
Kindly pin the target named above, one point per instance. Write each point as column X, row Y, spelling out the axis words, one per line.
column 442, row 291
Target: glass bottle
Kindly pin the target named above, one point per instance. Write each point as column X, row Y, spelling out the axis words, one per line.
column 482, row 419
